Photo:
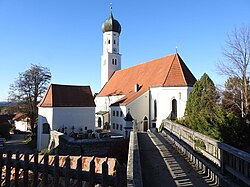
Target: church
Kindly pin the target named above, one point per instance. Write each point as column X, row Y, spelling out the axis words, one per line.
column 140, row 96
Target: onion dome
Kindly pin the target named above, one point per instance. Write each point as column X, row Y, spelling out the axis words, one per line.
column 111, row 24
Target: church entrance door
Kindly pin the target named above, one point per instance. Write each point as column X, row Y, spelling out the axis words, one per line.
column 145, row 123
column 145, row 126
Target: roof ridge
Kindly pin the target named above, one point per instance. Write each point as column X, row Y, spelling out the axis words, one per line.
column 131, row 96
column 185, row 68
column 169, row 70
column 45, row 96
column 67, row 96
column 146, row 62
column 182, row 71
column 70, row 85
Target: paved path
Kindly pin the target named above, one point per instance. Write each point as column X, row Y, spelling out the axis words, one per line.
column 162, row 165
column 17, row 143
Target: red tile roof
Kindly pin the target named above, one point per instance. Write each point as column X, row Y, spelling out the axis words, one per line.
column 19, row 116
column 67, row 96
column 166, row 71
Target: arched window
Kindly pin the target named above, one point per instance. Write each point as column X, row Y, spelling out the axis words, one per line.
column 114, row 41
column 108, row 41
column 99, row 122
column 46, row 128
column 174, row 109
column 114, row 61
column 155, row 109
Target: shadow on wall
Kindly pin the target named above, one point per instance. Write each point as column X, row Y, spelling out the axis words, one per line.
column 43, row 133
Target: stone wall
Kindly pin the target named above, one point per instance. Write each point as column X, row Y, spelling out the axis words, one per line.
column 107, row 147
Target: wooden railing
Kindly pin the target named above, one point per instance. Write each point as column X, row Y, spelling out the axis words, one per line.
column 229, row 159
column 33, row 170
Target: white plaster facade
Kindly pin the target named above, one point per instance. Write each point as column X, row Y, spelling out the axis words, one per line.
column 164, row 97
column 45, row 115
column 103, row 103
column 117, row 122
column 102, row 106
column 61, row 117
column 111, row 59
column 21, row 125
column 139, row 109
column 143, row 108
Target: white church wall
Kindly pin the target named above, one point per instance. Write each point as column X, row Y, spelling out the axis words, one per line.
column 103, row 103
column 139, row 108
column 21, row 125
column 79, row 117
column 58, row 117
column 164, row 97
column 45, row 115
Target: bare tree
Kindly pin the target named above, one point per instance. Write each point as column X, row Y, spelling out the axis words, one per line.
column 231, row 96
column 237, row 54
column 28, row 89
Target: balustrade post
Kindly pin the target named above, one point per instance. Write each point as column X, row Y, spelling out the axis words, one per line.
column 118, row 174
column 17, row 168
column 179, row 132
column 56, row 171
column 8, row 168
column 35, row 170
column 26, row 170
column 92, row 172
column 193, row 140
column 1, row 166
column 170, row 127
column 223, row 159
column 79, row 172
column 67, row 172
column 105, row 174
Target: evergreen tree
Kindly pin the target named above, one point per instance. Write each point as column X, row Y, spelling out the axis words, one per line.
column 203, row 113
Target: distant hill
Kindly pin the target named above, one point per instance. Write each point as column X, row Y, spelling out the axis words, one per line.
column 5, row 103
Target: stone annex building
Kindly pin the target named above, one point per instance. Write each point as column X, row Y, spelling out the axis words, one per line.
column 145, row 94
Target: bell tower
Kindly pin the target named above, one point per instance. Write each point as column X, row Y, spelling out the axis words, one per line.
column 111, row 58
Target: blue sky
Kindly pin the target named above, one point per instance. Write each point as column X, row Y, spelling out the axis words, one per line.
column 66, row 36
